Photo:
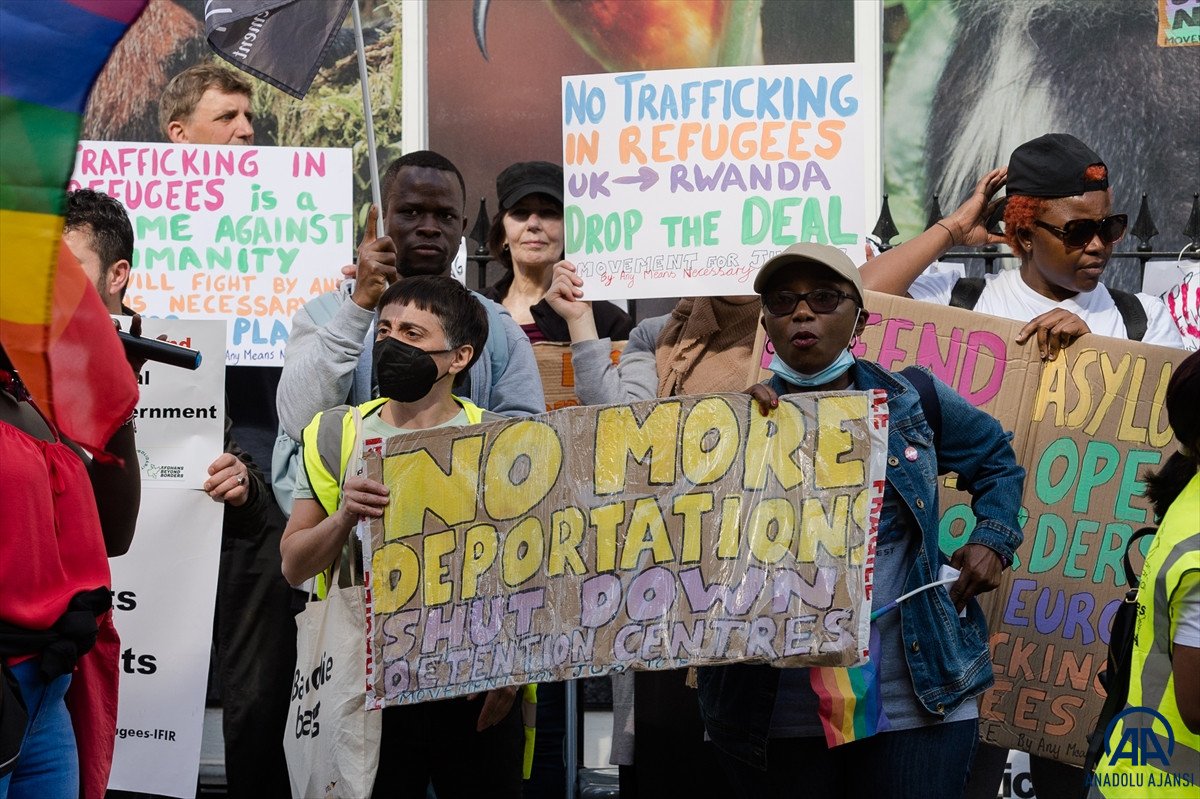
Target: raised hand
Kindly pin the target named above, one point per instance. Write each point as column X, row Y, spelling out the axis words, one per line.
column 967, row 224
column 376, row 265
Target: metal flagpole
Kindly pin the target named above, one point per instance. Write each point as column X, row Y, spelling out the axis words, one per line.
column 572, row 741
column 373, row 159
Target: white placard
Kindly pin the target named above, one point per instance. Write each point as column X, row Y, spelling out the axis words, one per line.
column 683, row 182
column 179, row 409
column 164, row 588
column 245, row 234
column 1162, row 276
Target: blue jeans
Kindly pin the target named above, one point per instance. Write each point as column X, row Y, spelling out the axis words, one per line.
column 48, row 767
column 909, row 764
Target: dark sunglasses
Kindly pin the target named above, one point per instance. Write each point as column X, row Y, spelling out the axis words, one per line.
column 1078, row 232
column 782, row 303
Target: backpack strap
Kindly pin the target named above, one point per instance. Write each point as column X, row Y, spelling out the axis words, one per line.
column 931, row 406
column 496, row 348
column 1131, row 577
column 966, row 291
column 1133, row 313
column 1115, row 674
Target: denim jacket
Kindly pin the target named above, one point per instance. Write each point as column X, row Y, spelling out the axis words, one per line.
column 947, row 656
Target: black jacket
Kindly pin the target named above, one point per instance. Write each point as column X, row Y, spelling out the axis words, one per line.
column 611, row 321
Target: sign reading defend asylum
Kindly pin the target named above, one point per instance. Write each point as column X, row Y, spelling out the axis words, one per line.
column 1087, row 425
column 656, row 535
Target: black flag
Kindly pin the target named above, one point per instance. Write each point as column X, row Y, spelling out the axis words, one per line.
column 279, row 41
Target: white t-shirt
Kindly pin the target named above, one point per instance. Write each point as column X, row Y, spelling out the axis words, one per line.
column 1006, row 295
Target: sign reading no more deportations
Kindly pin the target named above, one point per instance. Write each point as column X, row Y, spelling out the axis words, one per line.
column 656, row 535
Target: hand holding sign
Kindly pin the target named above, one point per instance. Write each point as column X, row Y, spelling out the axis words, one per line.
column 1055, row 330
column 766, row 397
column 565, row 297
column 376, row 265
column 228, row 481
column 363, row 497
column 496, row 704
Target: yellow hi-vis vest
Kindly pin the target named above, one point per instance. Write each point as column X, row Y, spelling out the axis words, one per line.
column 328, row 447
column 328, row 443
column 1149, row 751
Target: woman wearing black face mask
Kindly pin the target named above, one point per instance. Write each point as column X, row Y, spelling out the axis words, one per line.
column 430, row 329
column 403, row 372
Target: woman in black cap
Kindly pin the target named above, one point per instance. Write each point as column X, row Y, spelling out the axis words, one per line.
column 527, row 237
column 1059, row 221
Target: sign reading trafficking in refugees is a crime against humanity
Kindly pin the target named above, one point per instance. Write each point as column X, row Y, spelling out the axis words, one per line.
column 656, row 535
column 244, row 234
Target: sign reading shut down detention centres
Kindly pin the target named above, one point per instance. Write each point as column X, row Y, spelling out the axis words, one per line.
column 656, row 535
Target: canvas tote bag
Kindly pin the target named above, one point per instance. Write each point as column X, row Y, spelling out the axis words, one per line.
column 331, row 740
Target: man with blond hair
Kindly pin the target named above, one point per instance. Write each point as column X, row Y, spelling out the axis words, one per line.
column 255, row 633
column 207, row 104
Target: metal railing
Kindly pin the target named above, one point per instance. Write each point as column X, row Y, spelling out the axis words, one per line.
column 1143, row 231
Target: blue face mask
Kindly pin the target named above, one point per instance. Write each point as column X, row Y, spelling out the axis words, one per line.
column 841, row 364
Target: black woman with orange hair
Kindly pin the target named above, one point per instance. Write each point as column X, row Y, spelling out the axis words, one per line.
column 1059, row 222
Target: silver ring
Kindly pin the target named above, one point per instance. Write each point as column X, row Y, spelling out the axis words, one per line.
column 241, row 479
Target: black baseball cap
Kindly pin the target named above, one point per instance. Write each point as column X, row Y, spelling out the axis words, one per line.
column 1053, row 166
column 529, row 177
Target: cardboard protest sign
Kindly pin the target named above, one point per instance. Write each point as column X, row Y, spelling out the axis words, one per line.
column 558, row 374
column 245, row 234
column 164, row 588
column 656, row 535
column 1086, row 427
column 683, row 182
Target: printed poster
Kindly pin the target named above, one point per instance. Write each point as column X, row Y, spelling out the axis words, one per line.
column 178, row 409
column 164, row 588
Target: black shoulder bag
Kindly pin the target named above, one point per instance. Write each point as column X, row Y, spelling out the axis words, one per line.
column 1115, row 677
